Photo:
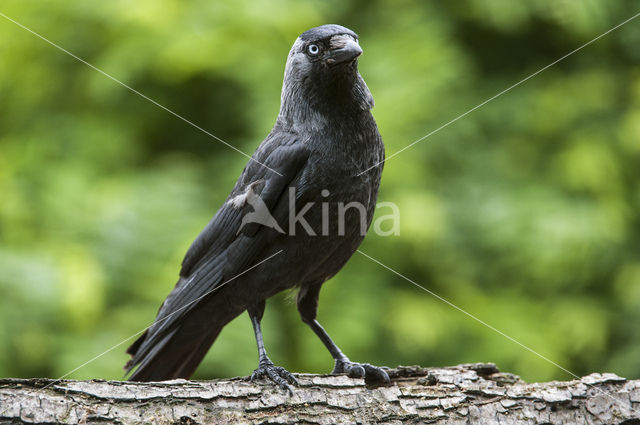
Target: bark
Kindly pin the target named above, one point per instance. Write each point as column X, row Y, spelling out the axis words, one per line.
column 465, row 394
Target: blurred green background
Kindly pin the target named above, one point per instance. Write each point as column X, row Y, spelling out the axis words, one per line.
column 524, row 213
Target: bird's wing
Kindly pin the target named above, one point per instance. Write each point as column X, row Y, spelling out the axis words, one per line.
column 220, row 252
column 281, row 154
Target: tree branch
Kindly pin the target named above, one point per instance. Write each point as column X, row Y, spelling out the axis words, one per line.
column 465, row 394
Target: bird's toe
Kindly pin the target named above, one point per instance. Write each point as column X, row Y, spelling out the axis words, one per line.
column 372, row 375
column 287, row 376
column 375, row 375
column 278, row 375
column 352, row 369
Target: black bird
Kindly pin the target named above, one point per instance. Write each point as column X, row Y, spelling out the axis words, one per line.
column 307, row 175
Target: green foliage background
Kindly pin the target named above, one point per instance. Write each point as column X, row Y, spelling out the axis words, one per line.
column 524, row 213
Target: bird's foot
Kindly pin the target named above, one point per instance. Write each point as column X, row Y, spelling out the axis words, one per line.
column 372, row 375
column 277, row 374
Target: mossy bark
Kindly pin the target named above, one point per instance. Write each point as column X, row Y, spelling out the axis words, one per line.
column 465, row 394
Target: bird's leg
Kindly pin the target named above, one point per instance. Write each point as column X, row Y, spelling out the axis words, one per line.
column 266, row 368
column 308, row 307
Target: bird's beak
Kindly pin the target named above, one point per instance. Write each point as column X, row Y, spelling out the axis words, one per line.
column 346, row 49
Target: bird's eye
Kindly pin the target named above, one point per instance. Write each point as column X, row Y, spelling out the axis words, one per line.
column 313, row 49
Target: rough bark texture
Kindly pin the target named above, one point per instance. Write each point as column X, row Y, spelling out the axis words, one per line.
column 465, row 394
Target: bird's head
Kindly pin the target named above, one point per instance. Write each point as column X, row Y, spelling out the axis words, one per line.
column 323, row 50
column 322, row 70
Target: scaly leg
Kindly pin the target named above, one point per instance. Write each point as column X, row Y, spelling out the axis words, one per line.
column 308, row 307
column 266, row 368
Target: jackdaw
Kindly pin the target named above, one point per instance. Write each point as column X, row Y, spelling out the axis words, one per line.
column 306, row 174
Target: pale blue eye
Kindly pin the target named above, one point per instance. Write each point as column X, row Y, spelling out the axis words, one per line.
column 313, row 49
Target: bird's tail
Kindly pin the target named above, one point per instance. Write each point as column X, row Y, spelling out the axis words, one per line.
column 175, row 359
column 178, row 352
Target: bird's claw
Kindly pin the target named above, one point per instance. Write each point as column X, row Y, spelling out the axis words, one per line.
column 277, row 374
column 372, row 375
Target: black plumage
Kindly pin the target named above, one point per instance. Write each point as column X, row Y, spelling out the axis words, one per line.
column 323, row 138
